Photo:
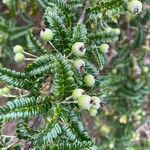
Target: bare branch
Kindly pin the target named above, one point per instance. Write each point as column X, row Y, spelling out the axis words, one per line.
column 85, row 6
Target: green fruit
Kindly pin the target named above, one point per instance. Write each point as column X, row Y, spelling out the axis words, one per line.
column 84, row 102
column 6, row 90
column 123, row 119
column 19, row 57
column 95, row 102
column 117, row 31
column 135, row 6
column 114, row 71
column 18, row 49
column 105, row 129
column 78, row 49
column 145, row 69
column 111, row 145
column 104, row 48
column 77, row 93
column 92, row 112
column 89, row 80
column 46, row 35
column 79, row 64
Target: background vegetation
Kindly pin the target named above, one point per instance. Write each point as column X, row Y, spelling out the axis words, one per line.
column 39, row 97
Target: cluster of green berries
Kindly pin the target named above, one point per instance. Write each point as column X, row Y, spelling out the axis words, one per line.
column 135, row 6
column 79, row 50
column 4, row 91
column 86, row 102
column 89, row 79
column 19, row 56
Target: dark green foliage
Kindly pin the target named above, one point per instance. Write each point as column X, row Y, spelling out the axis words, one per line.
column 79, row 33
column 25, row 108
column 47, row 82
column 64, row 82
column 13, row 78
column 55, row 22
column 42, row 65
column 34, row 45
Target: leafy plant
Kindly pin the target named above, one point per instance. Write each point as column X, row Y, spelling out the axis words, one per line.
column 119, row 123
column 71, row 30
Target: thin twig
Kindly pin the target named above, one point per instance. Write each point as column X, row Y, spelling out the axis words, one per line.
column 10, row 145
column 8, row 136
column 9, row 96
column 29, row 54
column 52, row 45
column 82, row 16
column 69, row 102
column 30, row 59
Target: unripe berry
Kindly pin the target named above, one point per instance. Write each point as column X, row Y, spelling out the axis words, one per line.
column 105, row 129
column 84, row 102
column 77, row 93
column 111, row 145
column 18, row 49
column 79, row 64
column 6, row 90
column 92, row 112
column 123, row 119
column 78, row 49
column 104, row 48
column 135, row 6
column 117, row 31
column 114, row 71
column 46, row 35
column 95, row 102
column 19, row 57
column 145, row 69
column 89, row 80
column 136, row 136
column 138, row 117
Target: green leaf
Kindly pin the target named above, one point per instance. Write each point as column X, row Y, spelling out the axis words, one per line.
column 102, row 37
column 42, row 66
column 17, row 32
column 79, row 33
column 34, row 45
column 24, row 108
column 63, row 7
column 56, row 24
column 14, row 78
column 98, row 56
column 64, row 82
